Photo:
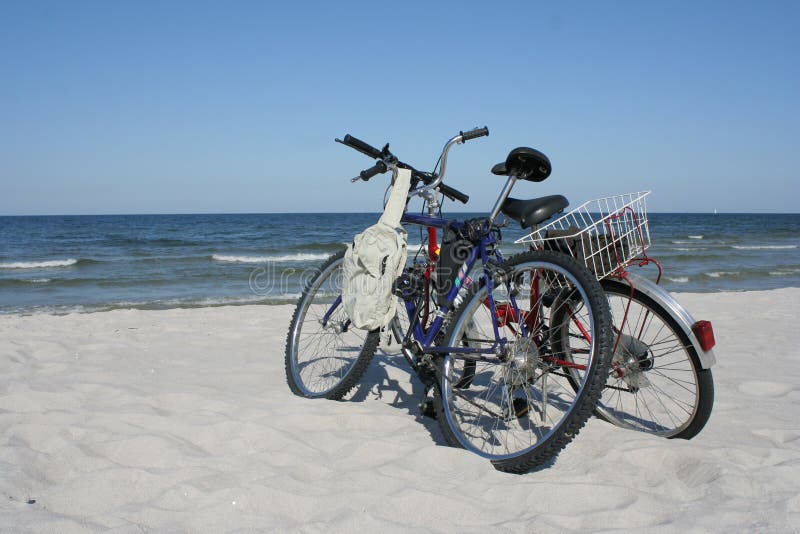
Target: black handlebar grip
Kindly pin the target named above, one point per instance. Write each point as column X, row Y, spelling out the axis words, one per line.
column 362, row 147
column 453, row 193
column 472, row 134
column 378, row 168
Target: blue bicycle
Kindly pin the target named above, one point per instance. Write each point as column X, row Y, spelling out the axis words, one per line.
column 514, row 351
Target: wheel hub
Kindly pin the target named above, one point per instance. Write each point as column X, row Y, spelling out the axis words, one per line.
column 523, row 360
column 337, row 327
column 631, row 359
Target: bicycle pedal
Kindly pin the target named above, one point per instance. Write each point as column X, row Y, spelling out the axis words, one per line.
column 426, row 408
column 521, row 407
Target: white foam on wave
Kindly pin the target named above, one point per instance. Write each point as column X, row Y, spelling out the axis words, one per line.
column 718, row 274
column 37, row 280
column 784, row 272
column 678, row 279
column 38, row 264
column 266, row 259
column 695, row 237
column 764, row 247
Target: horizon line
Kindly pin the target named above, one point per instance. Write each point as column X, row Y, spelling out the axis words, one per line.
column 142, row 214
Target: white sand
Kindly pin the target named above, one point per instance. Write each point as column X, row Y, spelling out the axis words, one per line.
column 181, row 420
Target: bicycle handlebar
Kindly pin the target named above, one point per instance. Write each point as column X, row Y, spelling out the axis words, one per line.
column 453, row 194
column 361, row 146
column 431, row 181
column 474, row 133
column 378, row 168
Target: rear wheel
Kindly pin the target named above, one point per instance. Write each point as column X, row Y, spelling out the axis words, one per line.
column 517, row 407
column 655, row 382
column 325, row 355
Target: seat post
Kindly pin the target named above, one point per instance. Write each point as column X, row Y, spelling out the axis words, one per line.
column 502, row 198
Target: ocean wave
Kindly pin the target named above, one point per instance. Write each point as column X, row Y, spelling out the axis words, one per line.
column 38, row 264
column 764, row 247
column 74, row 282
column 156, row 304
column 784, row 272
column 719, row 274
column 13, row 282
column 678, row 279
column 695, row 236
column 267, row 259
column 299, row 257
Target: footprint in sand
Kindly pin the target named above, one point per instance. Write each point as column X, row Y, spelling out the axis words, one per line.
column 765, row 388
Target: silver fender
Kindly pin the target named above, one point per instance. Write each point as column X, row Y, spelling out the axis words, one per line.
column 676, row 311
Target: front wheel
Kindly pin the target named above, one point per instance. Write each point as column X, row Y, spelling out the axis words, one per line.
column 518, row 407
column 325, row 355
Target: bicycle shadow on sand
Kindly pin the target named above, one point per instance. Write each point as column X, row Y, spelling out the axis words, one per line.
column 390, row 379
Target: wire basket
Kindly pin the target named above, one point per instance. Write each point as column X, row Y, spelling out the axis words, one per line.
column 606, row 234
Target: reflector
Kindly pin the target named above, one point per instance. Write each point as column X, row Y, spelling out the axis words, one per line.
column 705, row 334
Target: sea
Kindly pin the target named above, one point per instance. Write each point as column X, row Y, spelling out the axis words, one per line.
column 67, row 264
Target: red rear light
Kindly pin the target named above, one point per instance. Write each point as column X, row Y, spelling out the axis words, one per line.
column 705, row 334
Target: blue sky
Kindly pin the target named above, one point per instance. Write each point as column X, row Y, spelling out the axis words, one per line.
column 171, row 107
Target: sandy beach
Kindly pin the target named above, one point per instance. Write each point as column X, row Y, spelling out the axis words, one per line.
column 181, row 421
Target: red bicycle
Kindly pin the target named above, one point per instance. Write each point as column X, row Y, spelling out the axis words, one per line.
column 660, row 379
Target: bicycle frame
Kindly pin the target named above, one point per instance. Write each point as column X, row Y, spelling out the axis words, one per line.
column 504, row 314
column 425, row 335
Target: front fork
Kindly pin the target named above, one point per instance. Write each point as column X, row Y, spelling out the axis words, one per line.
column 340, row 327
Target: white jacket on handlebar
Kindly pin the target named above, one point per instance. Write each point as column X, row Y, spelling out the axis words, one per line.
column 373, row 261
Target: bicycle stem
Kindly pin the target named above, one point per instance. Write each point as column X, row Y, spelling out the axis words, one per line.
column 429, row 189
column 428, row 192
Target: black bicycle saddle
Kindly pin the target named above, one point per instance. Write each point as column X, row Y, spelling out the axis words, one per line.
column 525, row 163
column 534, row 211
